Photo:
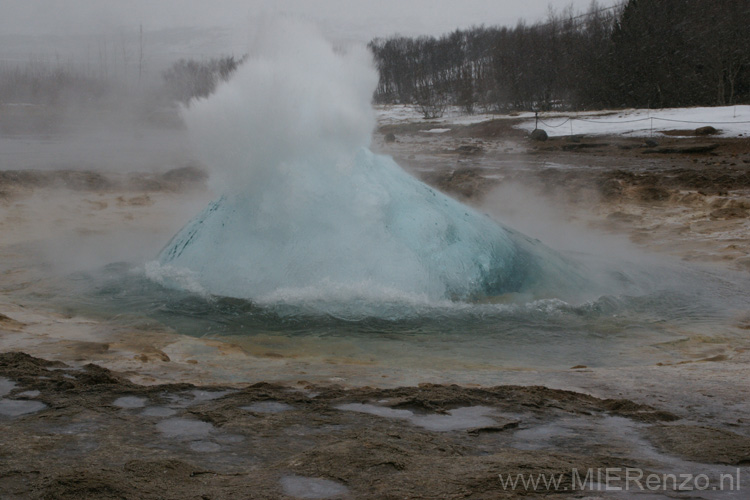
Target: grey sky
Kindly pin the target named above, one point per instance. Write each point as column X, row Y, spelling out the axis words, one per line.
column 341, row 19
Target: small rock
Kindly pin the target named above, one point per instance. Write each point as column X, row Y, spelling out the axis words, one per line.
column 539, row 135
column 390, row 137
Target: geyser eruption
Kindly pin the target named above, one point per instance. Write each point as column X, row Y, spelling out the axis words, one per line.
column 308, row 210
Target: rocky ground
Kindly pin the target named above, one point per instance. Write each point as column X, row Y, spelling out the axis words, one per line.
column 89, row 433
column 102, row 416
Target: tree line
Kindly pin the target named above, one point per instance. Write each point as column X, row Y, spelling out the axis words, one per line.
column 639, row 53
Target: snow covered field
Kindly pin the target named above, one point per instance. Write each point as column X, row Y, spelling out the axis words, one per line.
column 731, row 121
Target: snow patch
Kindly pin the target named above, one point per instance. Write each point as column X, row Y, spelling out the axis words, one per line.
column 730, row 121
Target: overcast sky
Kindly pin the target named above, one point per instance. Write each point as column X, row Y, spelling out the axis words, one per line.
column 342, row 20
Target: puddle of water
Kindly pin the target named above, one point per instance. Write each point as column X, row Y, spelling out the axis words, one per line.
column 6, row 386
column 622, row 437
column 129, row 402
column 16, row 408
column 200, row 396
column 158, row 411
column 469, row 417
column 542, row 436
column 229, row 438
column 457, row 420
column 205, row 447
column 268, row 407
column 309, row 487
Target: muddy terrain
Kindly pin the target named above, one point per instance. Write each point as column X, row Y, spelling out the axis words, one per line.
column 89, row 433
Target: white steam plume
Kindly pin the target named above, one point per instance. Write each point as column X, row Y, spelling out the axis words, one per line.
column 295, row 99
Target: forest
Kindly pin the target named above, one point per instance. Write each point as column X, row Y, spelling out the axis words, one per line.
column 638, row 53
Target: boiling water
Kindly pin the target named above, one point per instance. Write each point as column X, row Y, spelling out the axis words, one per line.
column 506, row 333
column 320, row 251
column 306, row 209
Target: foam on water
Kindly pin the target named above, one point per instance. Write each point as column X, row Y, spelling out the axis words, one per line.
column 309, row 214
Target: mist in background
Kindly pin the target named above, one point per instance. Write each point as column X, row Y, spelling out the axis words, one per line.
column 92, row 76
column 340, row 20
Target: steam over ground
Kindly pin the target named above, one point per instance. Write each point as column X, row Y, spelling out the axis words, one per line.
column 308, row 210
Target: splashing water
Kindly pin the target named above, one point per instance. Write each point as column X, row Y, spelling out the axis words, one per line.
column 307, row 207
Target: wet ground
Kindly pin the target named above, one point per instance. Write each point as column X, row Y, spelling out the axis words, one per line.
column 164, row 415
column 90, row 433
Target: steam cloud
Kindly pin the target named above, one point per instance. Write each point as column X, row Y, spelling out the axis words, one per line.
column 296, row 100
column 308, row 213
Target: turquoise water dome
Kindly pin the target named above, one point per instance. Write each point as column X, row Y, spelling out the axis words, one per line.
column 308, row 211
column 370, row 225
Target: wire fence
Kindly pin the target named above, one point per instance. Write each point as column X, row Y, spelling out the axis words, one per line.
column 570, row 120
